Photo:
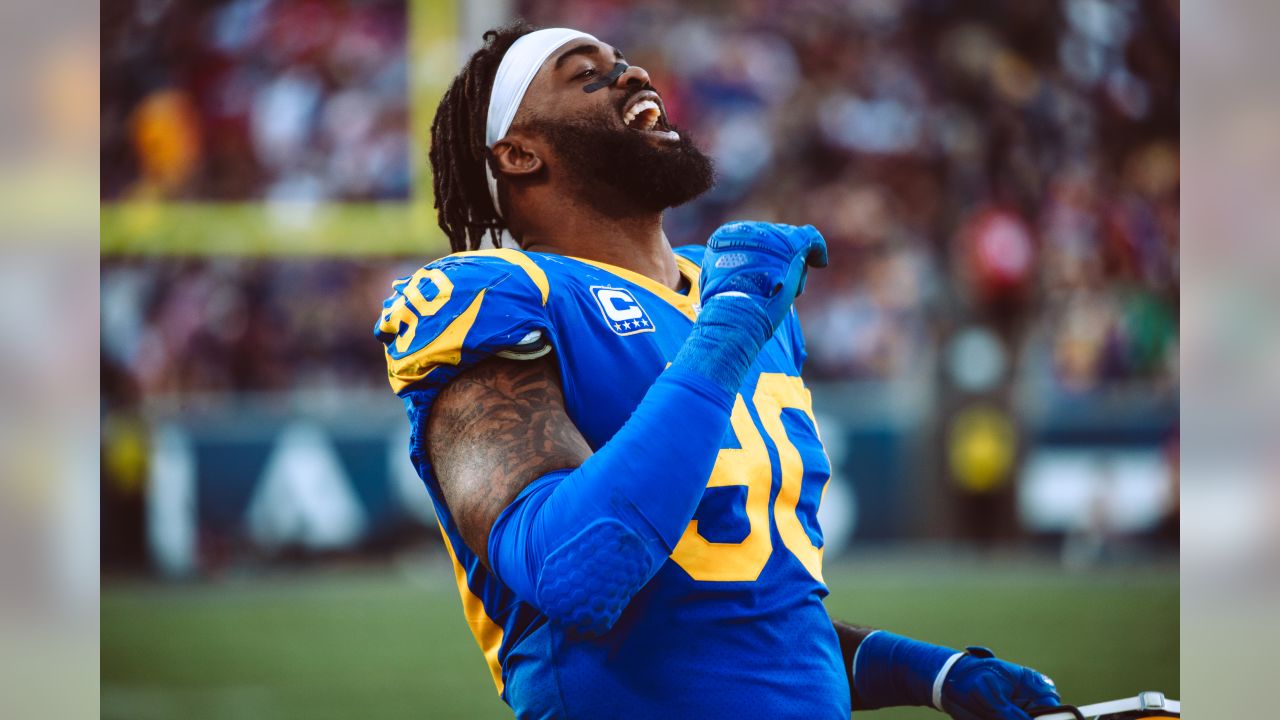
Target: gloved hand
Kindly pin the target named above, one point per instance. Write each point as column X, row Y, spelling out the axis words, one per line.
column 765, row 261
column 982, row 687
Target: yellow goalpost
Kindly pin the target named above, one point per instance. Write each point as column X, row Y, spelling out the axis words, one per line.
column 255, row 228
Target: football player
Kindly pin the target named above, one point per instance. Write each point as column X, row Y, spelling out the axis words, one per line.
column 620, row 448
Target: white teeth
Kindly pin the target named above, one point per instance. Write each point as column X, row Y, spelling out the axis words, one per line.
column 648, row 106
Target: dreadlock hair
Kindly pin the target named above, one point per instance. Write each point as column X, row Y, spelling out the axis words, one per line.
column 458, row 154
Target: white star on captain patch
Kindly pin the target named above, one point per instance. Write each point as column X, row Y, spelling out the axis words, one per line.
column 617, row 326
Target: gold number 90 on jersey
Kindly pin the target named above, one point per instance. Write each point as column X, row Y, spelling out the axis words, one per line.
column 750, row 465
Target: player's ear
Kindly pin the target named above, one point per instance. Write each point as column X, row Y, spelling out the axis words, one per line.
column 515, row 155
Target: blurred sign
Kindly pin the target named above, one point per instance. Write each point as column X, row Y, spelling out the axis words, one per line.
column 248, row 484
column 252, row 482
column 1104, row 489
column 302, row 487
column 304, row 497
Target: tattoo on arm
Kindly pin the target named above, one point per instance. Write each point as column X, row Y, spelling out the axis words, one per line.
column 851, row 636
column 493, row 430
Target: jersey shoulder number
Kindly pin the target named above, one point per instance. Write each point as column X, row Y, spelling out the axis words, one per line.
column 460, row 309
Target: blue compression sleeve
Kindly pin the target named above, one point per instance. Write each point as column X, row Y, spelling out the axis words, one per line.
column 890, row 670
column 579, row 543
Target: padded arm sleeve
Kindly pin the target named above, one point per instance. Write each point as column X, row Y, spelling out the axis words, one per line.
column 578, row 544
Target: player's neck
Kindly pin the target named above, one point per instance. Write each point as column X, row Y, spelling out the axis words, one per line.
column 636, row 243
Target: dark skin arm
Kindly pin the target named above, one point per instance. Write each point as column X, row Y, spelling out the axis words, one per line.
column 493, row 430
column 851, row 636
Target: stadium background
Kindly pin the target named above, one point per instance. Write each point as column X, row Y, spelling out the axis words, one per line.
column 993, row 352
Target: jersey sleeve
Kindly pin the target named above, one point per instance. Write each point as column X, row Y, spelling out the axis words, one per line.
column 459, row 310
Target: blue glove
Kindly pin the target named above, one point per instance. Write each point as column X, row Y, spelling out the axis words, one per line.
column 890, row 670
column 765, row 261
column 981, row 687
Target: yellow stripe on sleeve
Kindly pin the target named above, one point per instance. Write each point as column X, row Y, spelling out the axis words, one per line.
column 519, row 259
column 488, row 633
column 446, row 349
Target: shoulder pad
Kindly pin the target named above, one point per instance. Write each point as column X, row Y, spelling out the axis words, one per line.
column 458, row 310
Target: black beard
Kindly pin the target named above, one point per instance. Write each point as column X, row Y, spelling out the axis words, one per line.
column 623, row 172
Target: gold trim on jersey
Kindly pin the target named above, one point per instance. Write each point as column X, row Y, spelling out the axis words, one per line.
column 445, row 349
column 688, row 268
column 487, row 632
column 519, row 259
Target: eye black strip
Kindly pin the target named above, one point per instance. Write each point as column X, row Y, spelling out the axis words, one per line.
column 606, row 80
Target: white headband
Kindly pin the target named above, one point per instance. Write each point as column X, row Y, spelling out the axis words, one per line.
column 517, row 69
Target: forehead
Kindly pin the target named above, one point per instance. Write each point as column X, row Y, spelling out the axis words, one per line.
column 581, row 47
column 567, row 59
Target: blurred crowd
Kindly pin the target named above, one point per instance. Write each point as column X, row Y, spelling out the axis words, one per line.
column 203, row 326
column 997, row 163
column 254, row 99
column 1008, row 162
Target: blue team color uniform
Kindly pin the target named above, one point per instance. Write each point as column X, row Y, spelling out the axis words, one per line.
column 732, row 625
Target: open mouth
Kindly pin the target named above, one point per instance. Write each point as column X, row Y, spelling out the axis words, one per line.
column 644, row 114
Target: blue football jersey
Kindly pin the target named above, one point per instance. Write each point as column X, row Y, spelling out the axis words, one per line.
column 732, row 625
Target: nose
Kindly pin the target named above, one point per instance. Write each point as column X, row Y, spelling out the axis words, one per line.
column 634, row 74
